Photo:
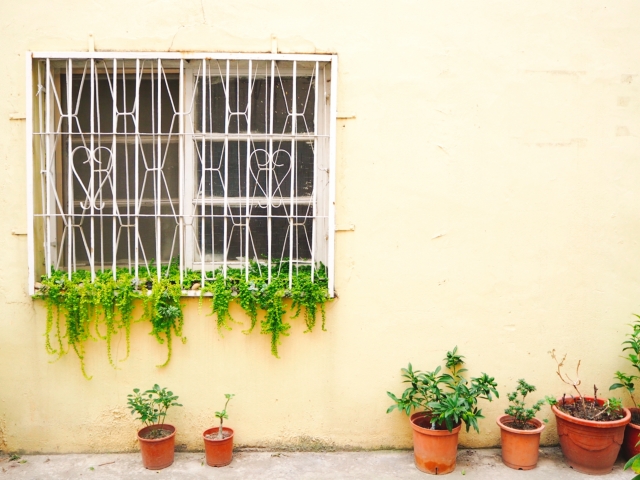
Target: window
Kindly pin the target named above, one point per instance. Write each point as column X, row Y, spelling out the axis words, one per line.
column 205, row 161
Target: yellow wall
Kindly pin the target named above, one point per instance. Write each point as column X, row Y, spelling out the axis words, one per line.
column 492, row 175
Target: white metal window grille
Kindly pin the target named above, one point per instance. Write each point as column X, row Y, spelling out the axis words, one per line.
column 210, row 161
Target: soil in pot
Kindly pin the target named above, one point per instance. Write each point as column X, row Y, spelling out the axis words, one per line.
column 157, row 449
column 214, row 436
column 589, row 446
column 519, row 426
column 587, row 410
column 434, row 450
column 218, row 452
column 520, row 443
column 158, row 433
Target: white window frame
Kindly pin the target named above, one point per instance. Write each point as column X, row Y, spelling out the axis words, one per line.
column 40, row 239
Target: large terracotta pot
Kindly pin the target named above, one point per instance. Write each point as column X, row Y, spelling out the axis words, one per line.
column 519, row 447
column 588, row 446
column 434, row 451
column 631, row 438
column 218, row 452
column 157, row 453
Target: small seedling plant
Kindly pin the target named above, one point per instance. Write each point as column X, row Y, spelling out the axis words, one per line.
column 150, row 407
column 627, row 381
column 517, row 406
column 222, row 415
column 580, row 407
column 447, row 398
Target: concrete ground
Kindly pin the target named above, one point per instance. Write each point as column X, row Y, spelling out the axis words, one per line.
column 473, row 464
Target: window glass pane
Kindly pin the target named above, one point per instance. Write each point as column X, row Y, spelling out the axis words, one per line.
column 136, row 103
column 213, row 165
column 249, row 96
column 212, row 232
column 98, row 168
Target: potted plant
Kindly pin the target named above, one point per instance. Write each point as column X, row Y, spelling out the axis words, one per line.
column 632, row 431
column 590, row 429
column 157, row 439
column 520, row 430
column 218, row 441
column 441, row 403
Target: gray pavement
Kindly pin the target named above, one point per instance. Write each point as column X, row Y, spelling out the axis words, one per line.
column 481, row 464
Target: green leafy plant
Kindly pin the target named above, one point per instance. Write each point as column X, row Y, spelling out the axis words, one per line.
column 222, row 415
column 447, row 398
column 150, row 407
column 517, row 406
column 613, row 406
column 634, row 464
column 627, row 381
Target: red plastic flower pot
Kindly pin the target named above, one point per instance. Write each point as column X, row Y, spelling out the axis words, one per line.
column 434, row 451
column 588, row 446
column 631, row 438
column 157, row 453
column 519, row 447
column 218, row 453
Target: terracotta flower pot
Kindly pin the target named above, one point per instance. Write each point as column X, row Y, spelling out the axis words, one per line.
column 157, row 453
column 519, row 447
column 218, row 452
column 631, row 438
column 588, row 446
column 434, row 451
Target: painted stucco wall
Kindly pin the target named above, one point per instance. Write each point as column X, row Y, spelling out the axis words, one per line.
column 491, row 172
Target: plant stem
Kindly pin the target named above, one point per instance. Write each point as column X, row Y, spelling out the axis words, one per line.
column 219, row 436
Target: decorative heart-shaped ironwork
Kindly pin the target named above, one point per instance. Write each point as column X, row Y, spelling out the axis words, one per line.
column 92, row 188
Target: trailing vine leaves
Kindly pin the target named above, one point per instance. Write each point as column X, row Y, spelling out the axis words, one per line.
column 52, row 291
column 272, row 301
column 310, row 295
column 163, row 309
column 248, row 299
column 74, row 304
column 77, row 306
column 78, row 312
column 222, row 293
column 102, row 292
column 125, row 294
column 253, row 292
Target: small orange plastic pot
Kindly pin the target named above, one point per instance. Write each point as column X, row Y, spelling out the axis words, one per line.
column 588, row 446
column 157, row 453
column 434, row 451
column 218, row 453
column 520, row 448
